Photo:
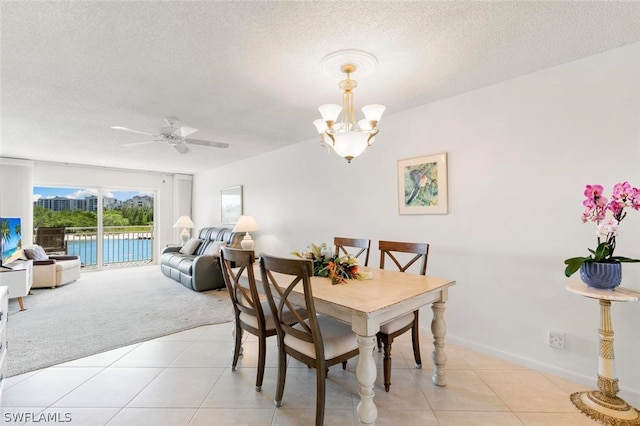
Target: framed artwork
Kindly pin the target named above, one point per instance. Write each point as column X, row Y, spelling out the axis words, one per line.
column 230, row 204
column 422, row 185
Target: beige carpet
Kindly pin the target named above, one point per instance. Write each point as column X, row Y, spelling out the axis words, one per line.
column 105, row 310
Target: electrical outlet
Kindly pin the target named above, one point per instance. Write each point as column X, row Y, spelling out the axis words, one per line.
column 556, row 339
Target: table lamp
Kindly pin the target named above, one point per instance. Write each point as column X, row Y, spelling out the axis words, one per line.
column 246, row 224
column 185, row 223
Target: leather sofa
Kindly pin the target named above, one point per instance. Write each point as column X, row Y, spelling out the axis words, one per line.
column 199, row 271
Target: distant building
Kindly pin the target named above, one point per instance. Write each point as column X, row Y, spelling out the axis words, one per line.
column 56, row 204
column 138, row 201
column 90, row 203
column 111, row 203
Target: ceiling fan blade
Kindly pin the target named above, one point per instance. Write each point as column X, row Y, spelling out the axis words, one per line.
column 181, row 147
column 184, row 131
column 138, row 143
column 131, row 130
column 207, row 143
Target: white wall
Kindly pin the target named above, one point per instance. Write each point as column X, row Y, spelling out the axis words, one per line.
column 520, row 153
column 15, row 194
column 63, row 175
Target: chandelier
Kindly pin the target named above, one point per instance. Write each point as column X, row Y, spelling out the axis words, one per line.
column 338, row 128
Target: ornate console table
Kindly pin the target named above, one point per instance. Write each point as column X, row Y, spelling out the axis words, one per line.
column 603, row 405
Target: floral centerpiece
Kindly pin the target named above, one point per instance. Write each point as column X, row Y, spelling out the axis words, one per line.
column 607, row 216
column 327, row 264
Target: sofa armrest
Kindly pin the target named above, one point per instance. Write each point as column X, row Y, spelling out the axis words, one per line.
column 171, row 249
column 64, row 257
column 44, row 275
column 205, row 260
column 44, row 262
column 205, row 269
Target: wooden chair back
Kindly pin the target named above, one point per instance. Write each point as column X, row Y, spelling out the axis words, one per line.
column 52, row 240
column 391, row 248
column 279, row 277
column 245, row 299
column 360, row 243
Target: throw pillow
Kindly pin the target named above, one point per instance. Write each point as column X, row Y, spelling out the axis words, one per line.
column 214, row 248
column 190, row 246
column 36, row 253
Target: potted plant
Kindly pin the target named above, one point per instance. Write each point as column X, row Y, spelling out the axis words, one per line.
column 601, row 268
column 327, row 264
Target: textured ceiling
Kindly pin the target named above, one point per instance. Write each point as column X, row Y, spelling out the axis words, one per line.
column 249, row 74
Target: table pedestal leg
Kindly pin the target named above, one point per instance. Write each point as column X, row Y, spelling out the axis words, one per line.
column 604, row 406
column 439, row 357
column 366, row 374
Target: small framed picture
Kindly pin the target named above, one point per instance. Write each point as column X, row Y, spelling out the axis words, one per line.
column 230, row 205
column 422, row 185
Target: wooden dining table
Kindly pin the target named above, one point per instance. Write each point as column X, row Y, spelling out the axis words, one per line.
column 366, row 304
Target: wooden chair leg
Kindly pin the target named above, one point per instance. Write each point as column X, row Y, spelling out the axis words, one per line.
column 387, row 365
column 415, row 339
column 21, row 303
column 282, row 374
column 379, row 343
column 237, row 347
column 262, row 353
column 320, row 395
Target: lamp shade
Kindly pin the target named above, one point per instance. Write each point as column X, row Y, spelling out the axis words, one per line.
column 373, row 112
column 320, row 124
column 246, row 224
column 330, row 112
column 184, row 222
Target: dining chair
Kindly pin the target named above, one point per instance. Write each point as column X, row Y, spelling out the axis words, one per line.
column 361, row 243
column 317, row 341
column 398, row 326
column 250, row 312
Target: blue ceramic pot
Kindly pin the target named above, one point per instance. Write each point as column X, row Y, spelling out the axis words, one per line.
column 605, row 276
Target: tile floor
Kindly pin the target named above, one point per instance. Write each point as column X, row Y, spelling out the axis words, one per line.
column 185, row 379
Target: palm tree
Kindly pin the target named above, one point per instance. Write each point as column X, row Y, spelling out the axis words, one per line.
column 18, row 231
column 5, row 231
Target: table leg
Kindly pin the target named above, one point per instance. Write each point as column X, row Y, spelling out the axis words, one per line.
column 439, row 357
column 366, row 374
column 604, row 406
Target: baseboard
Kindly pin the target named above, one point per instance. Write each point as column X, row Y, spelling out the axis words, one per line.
column 631, row 395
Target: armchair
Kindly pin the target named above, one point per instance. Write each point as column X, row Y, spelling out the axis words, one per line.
column 52, row 271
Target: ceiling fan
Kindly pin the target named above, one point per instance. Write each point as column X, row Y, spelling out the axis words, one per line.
column 173, row 136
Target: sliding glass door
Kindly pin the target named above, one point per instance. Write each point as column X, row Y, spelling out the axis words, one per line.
column 105, row 228
column 127, row 227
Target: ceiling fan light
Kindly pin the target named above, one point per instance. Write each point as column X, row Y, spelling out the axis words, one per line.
column 181, row 147
column 330, row 112
column 373, row 112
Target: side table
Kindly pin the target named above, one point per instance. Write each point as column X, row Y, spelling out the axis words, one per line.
column 603, row 405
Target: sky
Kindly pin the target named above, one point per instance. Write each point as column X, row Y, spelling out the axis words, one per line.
column 79, row 193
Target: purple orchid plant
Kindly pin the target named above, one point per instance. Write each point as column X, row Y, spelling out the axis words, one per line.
column 607, row 216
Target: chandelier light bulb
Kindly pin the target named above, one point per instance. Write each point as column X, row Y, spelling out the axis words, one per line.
column 330, row 112
column 320, row 124
column 373, row 112
column 364, row 124
column 350, row 144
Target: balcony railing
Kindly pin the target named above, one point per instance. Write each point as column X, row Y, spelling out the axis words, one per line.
column 121, row 245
